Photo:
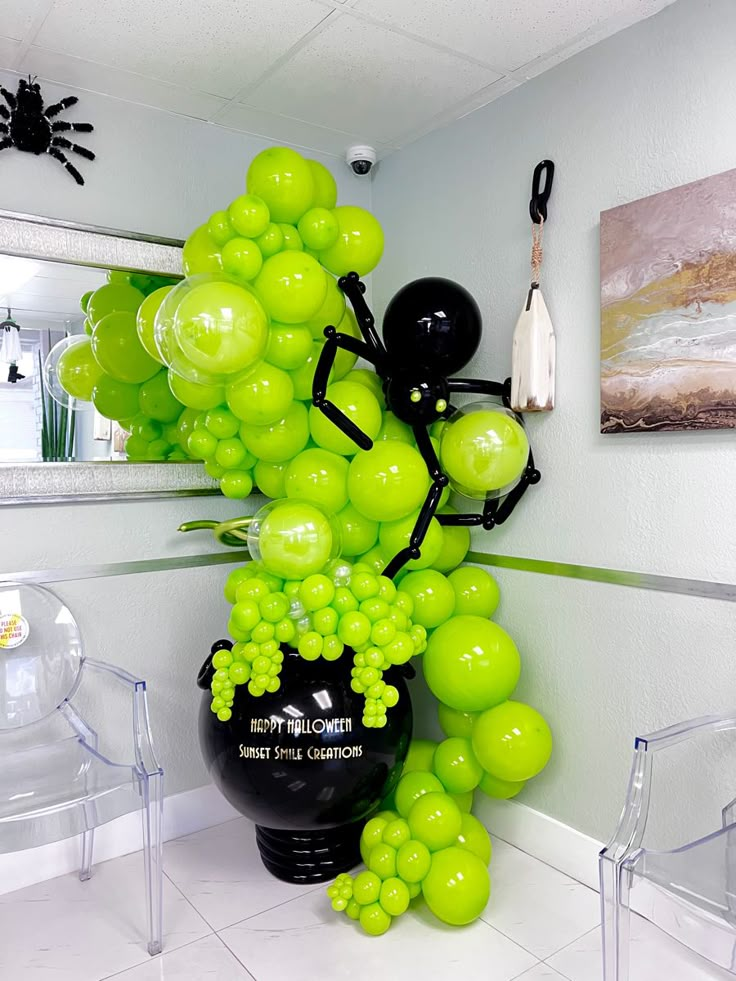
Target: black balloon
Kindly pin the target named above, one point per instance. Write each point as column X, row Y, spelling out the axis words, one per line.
column 300, row 759
column 434, row 323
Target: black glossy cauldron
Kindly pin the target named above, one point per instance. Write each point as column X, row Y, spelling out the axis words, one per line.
column 301, row 765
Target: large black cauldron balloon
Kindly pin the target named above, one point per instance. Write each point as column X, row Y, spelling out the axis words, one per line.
column 300, row 763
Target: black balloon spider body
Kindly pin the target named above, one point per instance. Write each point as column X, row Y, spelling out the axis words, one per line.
column 431, row 329
column 27, row 125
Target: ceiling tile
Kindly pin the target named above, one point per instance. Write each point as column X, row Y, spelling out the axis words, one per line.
column 358, row 77
column 217, row 46
column 18, row 16
column 503, row 33
column 284, row 130
column 8, row 50
column 81, row 74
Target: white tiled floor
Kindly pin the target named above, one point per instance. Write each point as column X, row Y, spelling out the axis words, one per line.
column 226, row 919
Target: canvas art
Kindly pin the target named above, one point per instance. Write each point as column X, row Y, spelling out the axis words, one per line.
column 668, row 310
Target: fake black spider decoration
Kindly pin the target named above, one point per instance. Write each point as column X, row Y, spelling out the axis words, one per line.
column 27, row 126
column 431, row 329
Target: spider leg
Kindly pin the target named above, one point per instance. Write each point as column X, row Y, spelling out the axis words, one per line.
column 67, row 145
column 354, row 290
column 61, row 126
column 60, row 106
column 56, row 153
column 439, row 482
column 4, row 128
column 6, row 143
column 9, row 98
column 4, row 112
column 481, row 386
column 334, row 342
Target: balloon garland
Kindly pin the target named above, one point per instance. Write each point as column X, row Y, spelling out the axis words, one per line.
column 219, row 367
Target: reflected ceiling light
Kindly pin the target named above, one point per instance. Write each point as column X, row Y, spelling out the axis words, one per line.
column 15, row 272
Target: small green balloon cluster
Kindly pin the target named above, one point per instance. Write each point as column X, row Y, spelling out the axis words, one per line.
column 320, row 615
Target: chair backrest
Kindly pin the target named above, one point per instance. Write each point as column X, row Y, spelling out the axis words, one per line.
column 41, row 655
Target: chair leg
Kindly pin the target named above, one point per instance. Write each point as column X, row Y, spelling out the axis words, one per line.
column 615, row 918
column 88, row 842
column 153, row 860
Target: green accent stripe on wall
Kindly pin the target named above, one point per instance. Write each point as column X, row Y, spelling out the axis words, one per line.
column 616, row 577
column 128, row 568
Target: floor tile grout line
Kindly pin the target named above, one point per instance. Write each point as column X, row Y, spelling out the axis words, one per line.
column 567, row 946
column 540, row 860
column 133, row 967
column 268, row 910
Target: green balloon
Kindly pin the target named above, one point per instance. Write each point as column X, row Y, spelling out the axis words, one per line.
column 185, row 424
column 202, row 444
column 320, row 477
column 374, row 919
column 395, row 535
column 115, row 399
column 292, row 238
column 283, row 179
column 269, row 478
column 475, row 838
column 78, row 370
column 248, row 215
column 476, row 591
column 221, row 327
column 434, row 599
column 292, row 287
column 145, row 318
column 453, row 722
column 358, row 404
column 331, row 313
column 359, row 244
column 84, row 300
column 457, row 887
column 261, row 396
column 345, row 360
column 271, row 241
column 219, row 228
column 471, row 664
column 147, row 428
column 394, row 428
column 156, row 400
column 136, row 448
column 358, row 533
column 456, row 766
column 394, row 898
column 382, row 861
column 500, row 789
column 113, row 298
column 289, row 345
column 200, row 253
column 436, row 820
column 483, row 451
column 512, row 741
column 366, row 888
column 241, row 258
column 303, row 376
column 464, row 801
column 420, row 755
column 118, row 350
column 325, row 188
column 222, row 423
column 388, row 482
column 236, row 484
column 364, row 376
column 318, row 228
column 280, row 441
column 455, row 544
column 413, row 861
column 414, row 785
column 194, row 395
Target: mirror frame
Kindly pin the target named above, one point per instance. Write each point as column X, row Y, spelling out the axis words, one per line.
column 54, row 240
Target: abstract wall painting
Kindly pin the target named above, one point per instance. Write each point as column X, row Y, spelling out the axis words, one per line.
column 668, row 310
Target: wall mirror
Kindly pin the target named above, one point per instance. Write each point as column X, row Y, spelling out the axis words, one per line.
column 48, row 450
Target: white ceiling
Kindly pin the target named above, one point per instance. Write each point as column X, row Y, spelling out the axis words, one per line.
column 317, row 73
column 52, row 295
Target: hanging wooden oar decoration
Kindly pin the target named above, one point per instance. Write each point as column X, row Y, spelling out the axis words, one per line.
column 533, row 351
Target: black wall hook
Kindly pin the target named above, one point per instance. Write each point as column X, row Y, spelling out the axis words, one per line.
column 544, row 172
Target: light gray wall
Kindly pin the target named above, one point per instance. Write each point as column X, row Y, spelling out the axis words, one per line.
column 162, row 174
column 646, row 110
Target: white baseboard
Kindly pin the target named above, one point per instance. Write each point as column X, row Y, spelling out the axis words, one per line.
column 185, row 813
column 542, row 836
column 537, row 834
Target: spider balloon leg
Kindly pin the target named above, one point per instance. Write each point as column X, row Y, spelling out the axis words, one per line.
column 334, row 342
column 62, row 141
column 439, row 481
column 57, row 107
column 6, row 143
column 61, row 126
column 56, row 153
column 481, row 386
column 354, row 290
column 9, row 98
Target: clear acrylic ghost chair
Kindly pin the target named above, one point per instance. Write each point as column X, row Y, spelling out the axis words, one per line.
column 690, row 891
column 55, row 780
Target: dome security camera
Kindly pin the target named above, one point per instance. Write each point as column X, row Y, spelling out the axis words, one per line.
column 360, row 159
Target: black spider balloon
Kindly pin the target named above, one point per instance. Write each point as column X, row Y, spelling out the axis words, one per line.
column 431, row 329
column 28, row 126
